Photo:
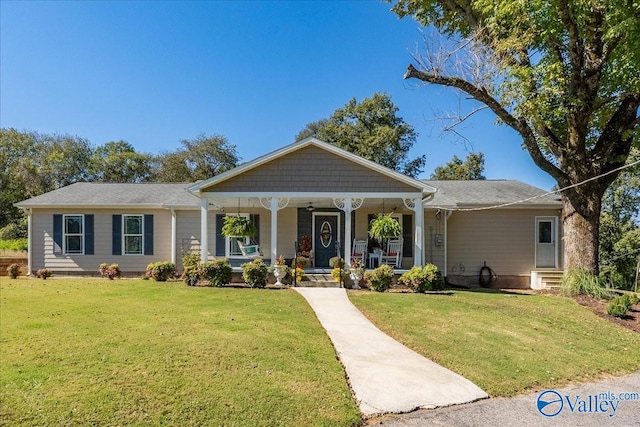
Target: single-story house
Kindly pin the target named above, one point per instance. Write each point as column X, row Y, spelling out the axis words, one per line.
column 310, row 192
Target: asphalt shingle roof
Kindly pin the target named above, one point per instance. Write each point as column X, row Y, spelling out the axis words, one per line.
column 489, row 193
column 450, row 194
column 108, row 194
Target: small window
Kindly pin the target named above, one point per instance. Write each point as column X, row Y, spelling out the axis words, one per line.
column 544, row 232
column 73, row 234
column 133, row 234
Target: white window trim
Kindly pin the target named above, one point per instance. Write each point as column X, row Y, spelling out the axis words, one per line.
column 65, row 234
column 124, row 234
column 227, row 239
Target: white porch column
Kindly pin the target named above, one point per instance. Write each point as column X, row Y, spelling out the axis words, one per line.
column 348, row 205
column 418, row 235
column 29, row 243
column 174, row 237
column 274, row 204
column 204, row 232
column 274, row 229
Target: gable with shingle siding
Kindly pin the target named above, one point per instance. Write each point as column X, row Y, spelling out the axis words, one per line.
column 311, row 169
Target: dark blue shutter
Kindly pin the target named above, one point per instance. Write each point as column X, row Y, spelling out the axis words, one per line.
column 407, row 235
column 255, row 219
column 57, row 234
column 88, row 234
column 221, row 241
column 116, row 235
column 148, row 234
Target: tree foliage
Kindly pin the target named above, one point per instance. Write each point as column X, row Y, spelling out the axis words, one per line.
column 35, row 163
column 199, row 158
column 371, row 129
column 563, row 74
column 118, row 161
column 620, row 227
column 471, row 169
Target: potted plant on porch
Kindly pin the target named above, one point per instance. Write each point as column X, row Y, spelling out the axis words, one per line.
column 356, row 272
column 280, row 270
column 238, row 226
column 384, row 226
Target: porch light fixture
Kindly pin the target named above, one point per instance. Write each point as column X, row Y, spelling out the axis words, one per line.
column 310, row 208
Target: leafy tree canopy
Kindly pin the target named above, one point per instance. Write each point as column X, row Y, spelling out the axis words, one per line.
column 562, row 73
column 35, row 163
column 118, row 161
column 200, row 158
column 371, row 129
column 471, row 169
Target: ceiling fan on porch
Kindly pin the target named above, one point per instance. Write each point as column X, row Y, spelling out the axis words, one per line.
column 311, row 208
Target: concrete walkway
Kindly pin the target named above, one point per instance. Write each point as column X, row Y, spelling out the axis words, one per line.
column 385, row 376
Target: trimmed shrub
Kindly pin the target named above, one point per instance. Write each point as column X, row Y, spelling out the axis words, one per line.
column 580, row 282
column 161, row 271
column 43, row 273
column 191, row 263
column 422, row 279
column 380, row 279
column 339, row 273
column 299, row 273
column 13, row 270
column 255, row 273
column 217, row 272
column 110, row 271
column 335, row 262
column 619, row 306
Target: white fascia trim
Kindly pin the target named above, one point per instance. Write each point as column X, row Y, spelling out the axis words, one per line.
column 85, row 207
column 302, row 195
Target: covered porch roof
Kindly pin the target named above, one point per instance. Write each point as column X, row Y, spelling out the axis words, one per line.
column 307, row 173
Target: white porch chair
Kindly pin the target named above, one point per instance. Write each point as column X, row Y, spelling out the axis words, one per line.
column 359, row 250
column 249, row 251
column 393, row 254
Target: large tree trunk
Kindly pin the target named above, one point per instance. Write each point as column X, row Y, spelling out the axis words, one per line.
column 581, row 226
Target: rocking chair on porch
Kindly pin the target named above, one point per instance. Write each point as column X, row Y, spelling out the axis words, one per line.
column 249, row 251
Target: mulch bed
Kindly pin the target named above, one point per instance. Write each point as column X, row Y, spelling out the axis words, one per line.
column 599, row 307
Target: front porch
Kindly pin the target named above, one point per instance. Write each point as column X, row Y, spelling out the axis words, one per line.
column 311, row 191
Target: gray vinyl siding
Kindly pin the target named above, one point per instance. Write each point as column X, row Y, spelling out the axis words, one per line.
column 188, row 233
column 504, row 238
column 311, row 169
column 42, row 242
column 434, row 253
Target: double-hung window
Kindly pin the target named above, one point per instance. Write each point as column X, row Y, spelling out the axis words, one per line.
column 133, row 234
column 73, row 236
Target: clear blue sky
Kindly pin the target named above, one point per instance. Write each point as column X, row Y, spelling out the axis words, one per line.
column 153, row 73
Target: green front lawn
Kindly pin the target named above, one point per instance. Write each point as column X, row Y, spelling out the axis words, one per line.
column 134, row 352
column 506, row 343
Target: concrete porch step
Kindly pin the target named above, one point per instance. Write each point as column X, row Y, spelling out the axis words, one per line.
column 321, row 280
column 546, row 278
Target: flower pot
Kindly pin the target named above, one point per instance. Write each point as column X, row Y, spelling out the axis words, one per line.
column 356, row 276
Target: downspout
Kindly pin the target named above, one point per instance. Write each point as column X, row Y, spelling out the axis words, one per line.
column 29, row 245
column 174, row 230
column 446, row 217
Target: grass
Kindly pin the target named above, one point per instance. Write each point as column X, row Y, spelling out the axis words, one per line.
column 134, row 352
column 506, row 343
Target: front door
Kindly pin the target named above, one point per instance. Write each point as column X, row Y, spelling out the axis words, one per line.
column 546, row 237
column 325, row 237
